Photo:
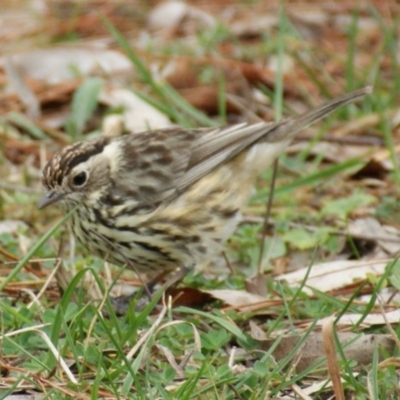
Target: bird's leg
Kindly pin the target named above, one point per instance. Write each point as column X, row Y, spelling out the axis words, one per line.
column 121, row 303
column 129, row 263
column 175, row 278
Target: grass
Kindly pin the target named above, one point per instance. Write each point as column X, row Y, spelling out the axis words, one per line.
column 67, row 346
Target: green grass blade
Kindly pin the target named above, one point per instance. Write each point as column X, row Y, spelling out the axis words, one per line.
column 33, row 250
column 229, row 326
column 23, row 122
column 312, row 179
column 84, row 103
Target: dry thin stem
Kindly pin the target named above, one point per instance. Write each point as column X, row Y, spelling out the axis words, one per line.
column 267, row 215
column 388, row 325
column 149, row 333
column 331, row 357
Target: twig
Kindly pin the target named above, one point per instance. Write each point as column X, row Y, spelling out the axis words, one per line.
column 267, row 215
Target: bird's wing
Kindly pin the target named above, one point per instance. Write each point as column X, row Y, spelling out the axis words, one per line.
column 164, row 163
column 215, row 147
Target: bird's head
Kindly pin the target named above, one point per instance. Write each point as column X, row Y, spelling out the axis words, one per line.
column 75, row 172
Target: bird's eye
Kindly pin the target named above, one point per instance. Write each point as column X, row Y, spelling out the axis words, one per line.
column 79, row 179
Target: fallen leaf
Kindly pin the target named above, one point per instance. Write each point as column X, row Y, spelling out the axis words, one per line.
column 137, row 115
column 358, row 348
column 333, row 275
column 60, row 64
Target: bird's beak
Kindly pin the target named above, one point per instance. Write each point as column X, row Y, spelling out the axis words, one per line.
column 50, row 198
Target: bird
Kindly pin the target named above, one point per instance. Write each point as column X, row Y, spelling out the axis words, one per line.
column 169, row 198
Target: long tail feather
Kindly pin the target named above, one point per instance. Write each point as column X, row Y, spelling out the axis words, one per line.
column 287, row 129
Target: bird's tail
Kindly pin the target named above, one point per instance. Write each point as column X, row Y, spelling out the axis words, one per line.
column 287, row 129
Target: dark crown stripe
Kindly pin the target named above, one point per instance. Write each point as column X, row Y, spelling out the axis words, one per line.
column 82, row 153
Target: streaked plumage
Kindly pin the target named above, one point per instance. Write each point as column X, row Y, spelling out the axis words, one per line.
column 167, row 198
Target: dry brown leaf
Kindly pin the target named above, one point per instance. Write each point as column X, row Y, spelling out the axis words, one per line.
column 360, row 348
column 256, row 332
column 369, row 228
column 57, row 64
column 236, row 298
column 174, row 16
column 349, row 320
column 188, row 297
column 137, row 114
column 333, row 275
